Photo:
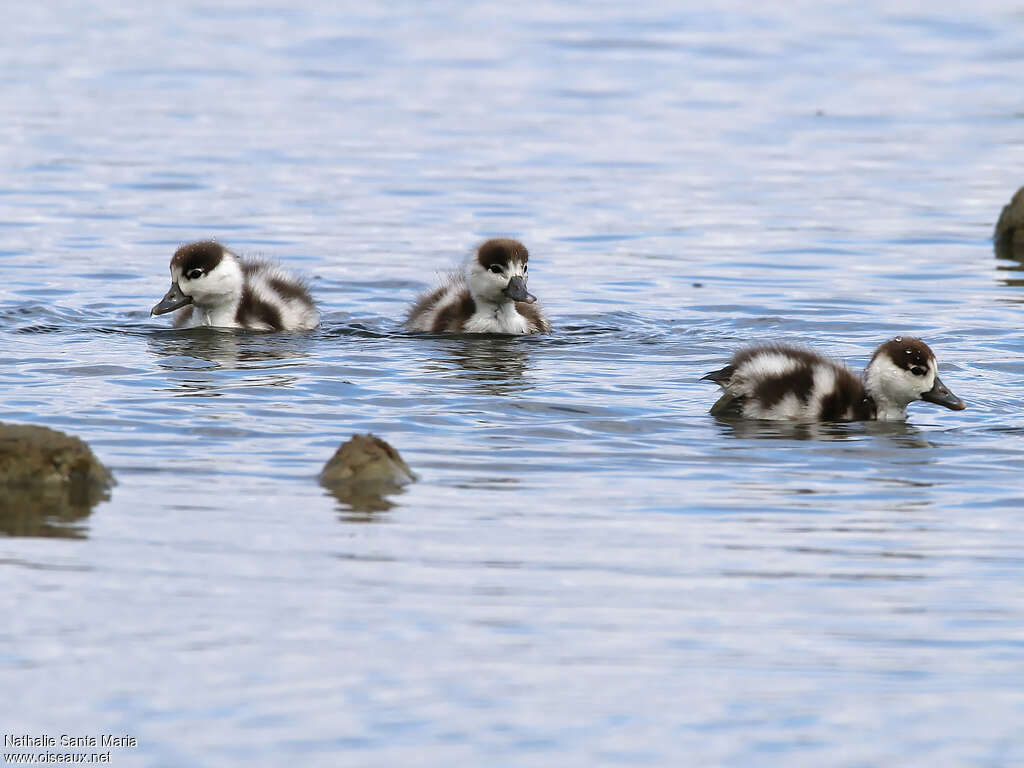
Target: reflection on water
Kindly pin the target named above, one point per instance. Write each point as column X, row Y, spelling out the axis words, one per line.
column 901, row 433
column 202, row 352
column 493, row 364
column 366, row 146
column 1010, row 248
column 226, row 348
column 362, row 504
column 215, row 387
column 1013, row 253
column 50, row 512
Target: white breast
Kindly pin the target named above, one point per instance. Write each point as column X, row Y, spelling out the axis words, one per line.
column 497, row 318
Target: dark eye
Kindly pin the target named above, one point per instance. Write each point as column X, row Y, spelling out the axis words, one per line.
column 525, row 269
column 496, row 269
column 917, row 370
column 194, row 273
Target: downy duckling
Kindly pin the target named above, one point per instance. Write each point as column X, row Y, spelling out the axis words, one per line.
column 212, row 286
column 488, row 296
column 782, row 382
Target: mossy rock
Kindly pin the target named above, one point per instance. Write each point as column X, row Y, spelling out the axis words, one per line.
column 1009, row 234
column 47, row 481
column 363, row 471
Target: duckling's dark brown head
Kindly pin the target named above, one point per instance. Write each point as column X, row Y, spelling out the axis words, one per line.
column 901, row 371
column 499, row 272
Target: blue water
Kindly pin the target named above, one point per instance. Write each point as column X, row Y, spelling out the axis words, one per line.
column 591, row 570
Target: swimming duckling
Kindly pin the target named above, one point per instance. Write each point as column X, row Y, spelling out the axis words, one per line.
column 782, row 382
column 488, row 296
column 212, row 286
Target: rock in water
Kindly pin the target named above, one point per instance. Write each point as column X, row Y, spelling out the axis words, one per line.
column 1009, row 234
column 363, row 470
column 47, row 480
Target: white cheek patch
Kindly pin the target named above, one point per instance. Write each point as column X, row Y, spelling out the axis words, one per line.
column 917, row 385
column 486, row 286
column 888, row 383
column 216, row 294
column 910, row 386
column 480, row 281
column 214, row 283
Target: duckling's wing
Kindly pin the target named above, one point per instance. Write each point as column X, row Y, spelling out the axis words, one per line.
column 728, row 404
column 535, row 319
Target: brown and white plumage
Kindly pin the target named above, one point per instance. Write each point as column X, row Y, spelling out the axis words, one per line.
column 488, row 296
column 212, row 286
column 781, row 382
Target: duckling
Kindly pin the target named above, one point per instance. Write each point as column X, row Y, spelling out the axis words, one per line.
column 781, row 382
column 212, row 286
column 488, row 296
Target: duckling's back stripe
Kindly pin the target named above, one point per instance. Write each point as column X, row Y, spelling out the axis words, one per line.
column 451, row 317
column 846, row 400
column 289, row 290
column 251, row 308
column 799, row 382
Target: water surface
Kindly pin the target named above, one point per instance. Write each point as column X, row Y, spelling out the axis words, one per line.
column 591, row 569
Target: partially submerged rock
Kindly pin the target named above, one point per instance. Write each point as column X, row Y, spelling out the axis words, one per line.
column 47, row 480
column 364, row 470
column 1009, row 234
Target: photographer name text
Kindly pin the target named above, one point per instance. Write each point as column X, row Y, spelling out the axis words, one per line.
column 66, row 740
